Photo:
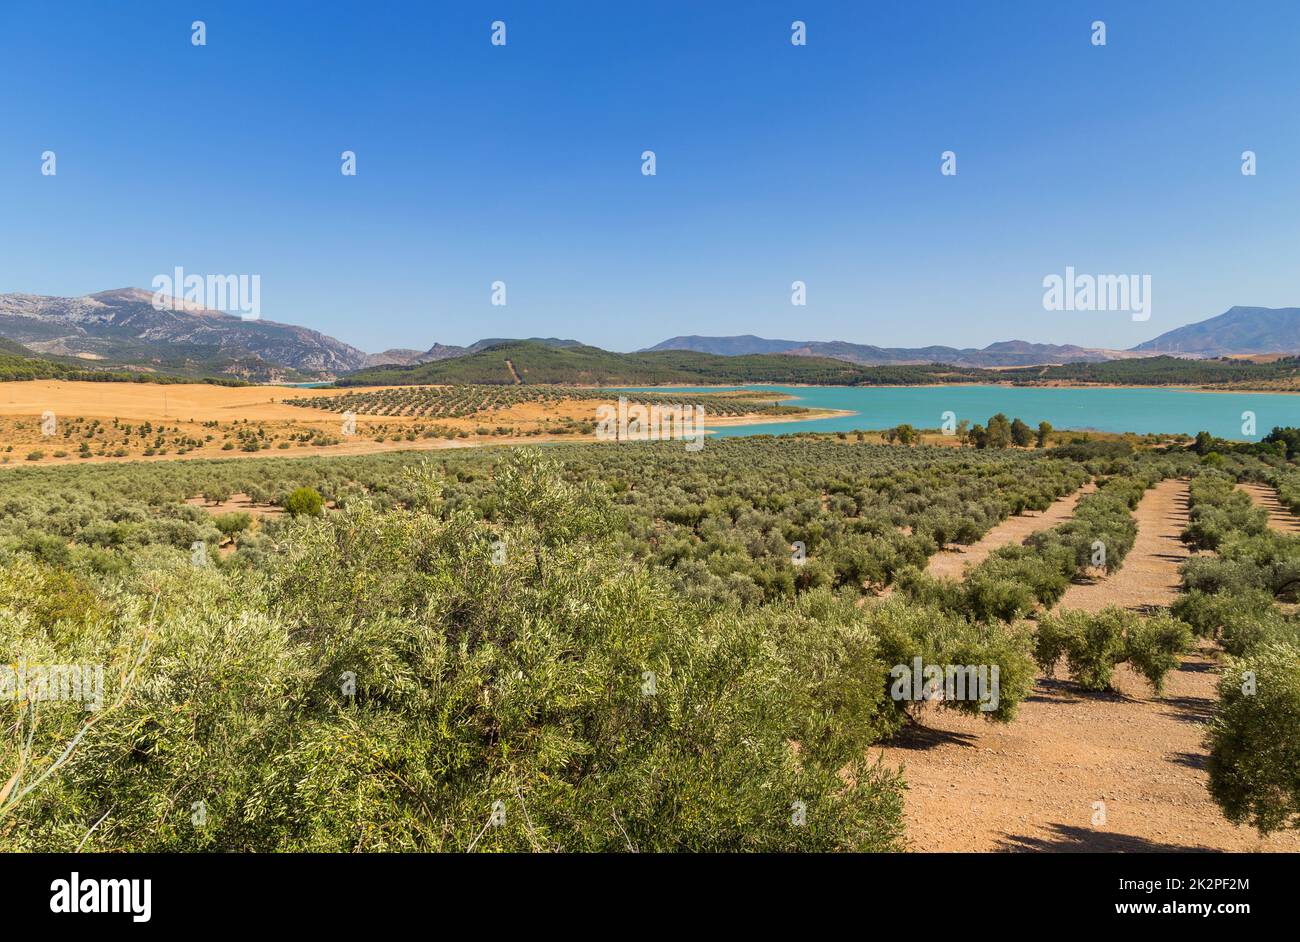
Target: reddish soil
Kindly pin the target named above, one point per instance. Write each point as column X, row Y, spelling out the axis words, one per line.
column 241, row 503
column 1279, row 516
column 1032, row 785
column 1149, row 576
column 952, row 563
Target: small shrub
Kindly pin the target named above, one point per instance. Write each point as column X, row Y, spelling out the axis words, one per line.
column 1094, row 643
column 304, row 501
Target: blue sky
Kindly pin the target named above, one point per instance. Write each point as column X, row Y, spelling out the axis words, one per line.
column 775, row 163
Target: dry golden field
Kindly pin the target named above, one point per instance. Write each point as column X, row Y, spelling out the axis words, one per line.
column 116, row 421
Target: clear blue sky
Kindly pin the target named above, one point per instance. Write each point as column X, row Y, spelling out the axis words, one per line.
column 775, row 163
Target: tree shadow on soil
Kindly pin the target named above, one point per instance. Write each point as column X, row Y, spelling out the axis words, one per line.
column 1193, row 760
column 1059, row 690
column 1070, row 839
column 916, row 736
column 1198, row 710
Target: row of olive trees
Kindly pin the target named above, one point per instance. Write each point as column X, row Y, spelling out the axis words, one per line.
column 1231, row 596
column 1000, row 432
column 748, row 521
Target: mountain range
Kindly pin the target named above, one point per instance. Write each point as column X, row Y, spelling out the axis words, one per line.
column 123, row 329
column 1006, row 353
column 1237, row 331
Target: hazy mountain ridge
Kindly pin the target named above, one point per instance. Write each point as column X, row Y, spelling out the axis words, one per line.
column 402, row 357
column 742, row 345
column 538, row 362
column 1237, row 330
column 123, row 326
column 1004, row 353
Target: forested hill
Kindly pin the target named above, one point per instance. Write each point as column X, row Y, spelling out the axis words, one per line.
column 537, row 363
column 530, row 362
column 1165, row 371
column 17, row 363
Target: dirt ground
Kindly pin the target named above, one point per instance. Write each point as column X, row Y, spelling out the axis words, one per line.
column 952, row 563
column 1031, row 785
column 205, row 416
column 238, row 503
column 1280, row 517
column 1149, row 575
column 1035, row 784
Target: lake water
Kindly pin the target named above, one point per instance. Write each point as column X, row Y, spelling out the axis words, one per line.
column 1103, row 409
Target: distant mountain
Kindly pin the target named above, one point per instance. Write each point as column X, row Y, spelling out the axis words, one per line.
column 18, row 363
column 726, row 346
column 402, row 357
column 527, row 361
column 395, row 357
column 122, row 330
column 543, row 341
column 122, row 327
column 1235, row 331
column 440, row 351
column 1007, row 353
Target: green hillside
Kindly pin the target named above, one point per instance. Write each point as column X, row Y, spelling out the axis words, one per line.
column 18, row 364
column 1161, row 371
column 527, row 362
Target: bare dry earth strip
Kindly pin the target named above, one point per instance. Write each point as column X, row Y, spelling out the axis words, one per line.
column 951, row 564
column 1035, row 784
column 1279, row 516
column 1149, row 576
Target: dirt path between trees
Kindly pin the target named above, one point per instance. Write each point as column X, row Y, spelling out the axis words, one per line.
column 1279, row 516
column 1069, row 757
column 1149, row 576
column 951, row 564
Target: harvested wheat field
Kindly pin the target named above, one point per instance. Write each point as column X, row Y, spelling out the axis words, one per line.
column 1034, row 784
column 952, row 563
column 1279, row 516
column 104, row 422
column 155, row 401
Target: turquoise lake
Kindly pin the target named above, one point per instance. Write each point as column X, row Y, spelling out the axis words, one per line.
column 1102, row 409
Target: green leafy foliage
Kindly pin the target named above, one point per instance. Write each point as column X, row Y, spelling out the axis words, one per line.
column 1093, row 643
column 304, row 501
column 386, row 682
column 1254, row 762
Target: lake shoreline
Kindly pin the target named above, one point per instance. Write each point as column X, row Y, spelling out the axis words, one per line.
column 1179, row 388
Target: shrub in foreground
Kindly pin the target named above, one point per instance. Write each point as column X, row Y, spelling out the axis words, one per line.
column 1093, row 643
column 392, row 682
column 1254, row 740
